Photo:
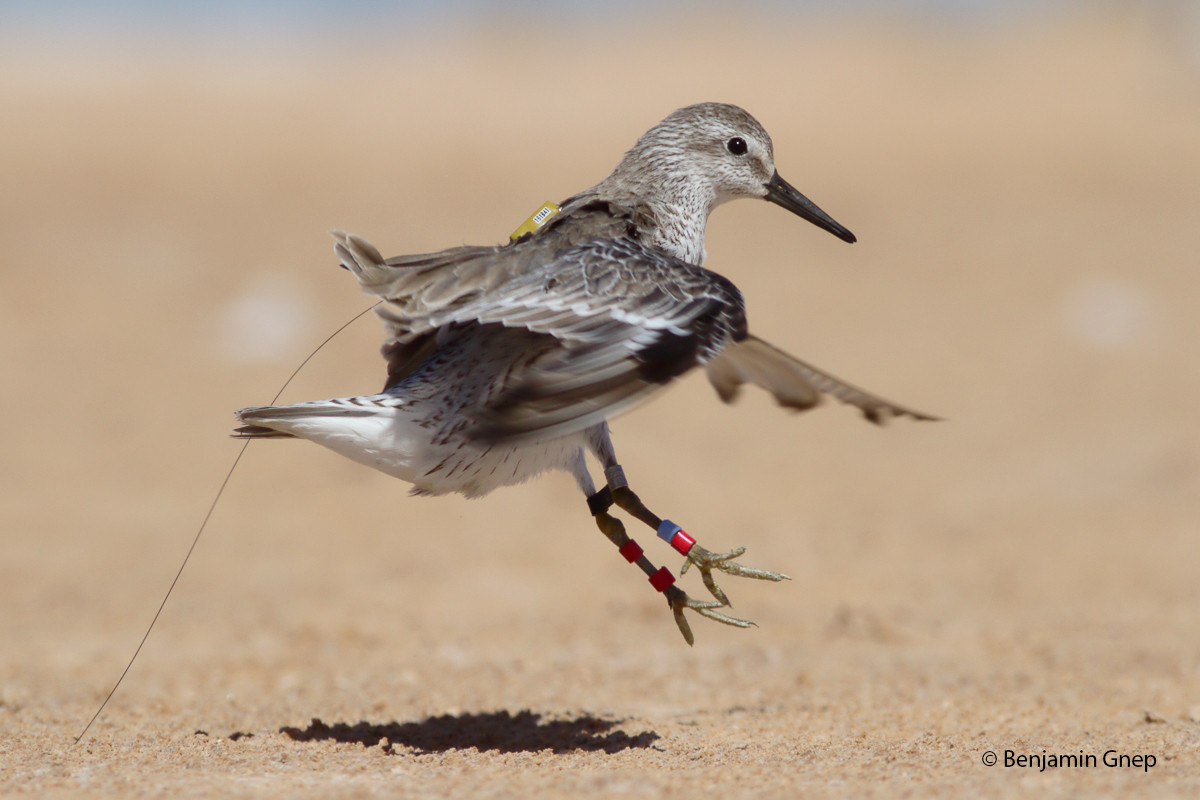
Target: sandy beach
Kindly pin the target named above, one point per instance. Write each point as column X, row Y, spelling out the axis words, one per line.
column 1021, row 578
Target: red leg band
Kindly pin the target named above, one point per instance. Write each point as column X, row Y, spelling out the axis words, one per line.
column 631, row 550
column 662, row 579
column 682, row 542
column 675, row 536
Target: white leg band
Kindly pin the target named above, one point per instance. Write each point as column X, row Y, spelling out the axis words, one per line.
column 615, row 477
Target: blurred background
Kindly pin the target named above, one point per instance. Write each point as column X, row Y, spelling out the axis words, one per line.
column 1024, row 180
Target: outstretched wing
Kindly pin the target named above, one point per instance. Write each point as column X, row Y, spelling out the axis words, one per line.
column 792, row 382
column 620, row 320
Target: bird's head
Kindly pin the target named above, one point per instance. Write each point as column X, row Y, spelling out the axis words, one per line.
column 714, row 152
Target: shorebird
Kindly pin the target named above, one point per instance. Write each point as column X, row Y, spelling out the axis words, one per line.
column 507, row 361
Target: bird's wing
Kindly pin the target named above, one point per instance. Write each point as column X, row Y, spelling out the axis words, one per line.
column 627, row 319
column 792, row 382
column 415, row 286
column 418, row 289
column 622, row 320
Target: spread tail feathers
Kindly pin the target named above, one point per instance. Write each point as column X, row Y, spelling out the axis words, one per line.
column 793, row 383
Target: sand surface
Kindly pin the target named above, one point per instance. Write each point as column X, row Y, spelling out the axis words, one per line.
column 1024, row 576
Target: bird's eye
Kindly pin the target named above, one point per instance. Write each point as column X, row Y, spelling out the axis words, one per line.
column 737, row 146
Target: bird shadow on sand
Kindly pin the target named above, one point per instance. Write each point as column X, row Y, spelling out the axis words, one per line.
column 523, row 732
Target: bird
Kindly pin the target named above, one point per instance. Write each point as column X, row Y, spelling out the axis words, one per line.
column 506, row 361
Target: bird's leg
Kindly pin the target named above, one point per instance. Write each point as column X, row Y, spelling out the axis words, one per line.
column 660, row 578
column 705, row 560
column 617, row 490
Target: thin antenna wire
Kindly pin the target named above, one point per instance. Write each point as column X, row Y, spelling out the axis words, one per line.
column 203, row 524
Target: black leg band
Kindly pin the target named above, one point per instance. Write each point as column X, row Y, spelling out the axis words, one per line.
column 600, row 502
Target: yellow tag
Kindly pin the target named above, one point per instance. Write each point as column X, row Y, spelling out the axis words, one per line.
column 539, row 219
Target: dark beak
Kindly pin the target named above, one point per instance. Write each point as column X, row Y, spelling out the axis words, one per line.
column 782, row 193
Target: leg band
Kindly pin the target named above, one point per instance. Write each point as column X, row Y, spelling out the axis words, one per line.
column 615, row 477
column 600, row 502
column 675, row 536
column 662, row 579
column 631, row 551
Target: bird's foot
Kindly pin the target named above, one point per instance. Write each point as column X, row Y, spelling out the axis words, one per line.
column 662, row 579
column 679, row 600
column 706, row 561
